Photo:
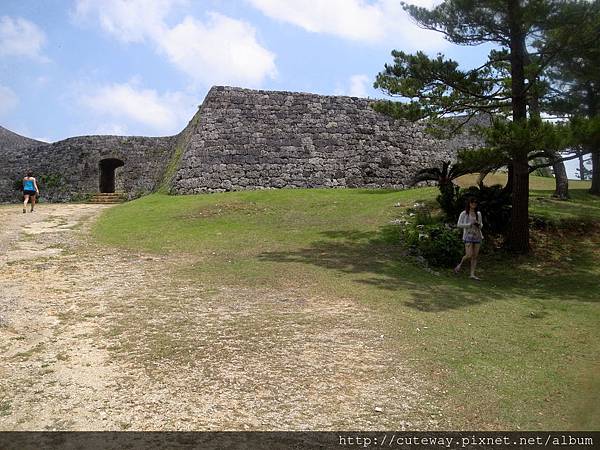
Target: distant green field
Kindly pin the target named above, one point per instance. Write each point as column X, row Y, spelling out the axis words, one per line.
column 582, row 205
column 535, row 183
column 518, row 349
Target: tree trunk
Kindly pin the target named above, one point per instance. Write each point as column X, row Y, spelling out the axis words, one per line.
column 592, row 104
column 581, row 168
column 518, row 237
column 595, row 189
column 562, row 180
column 509, row 179
column 561, row 190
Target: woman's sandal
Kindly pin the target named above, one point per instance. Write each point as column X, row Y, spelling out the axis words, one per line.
column 456, row 270
column 473, row 277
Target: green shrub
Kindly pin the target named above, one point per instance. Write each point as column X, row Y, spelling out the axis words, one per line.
column 494, row 204
column 442, row 247
column 447, row 200
column 438, row 243
column 51, row 181
column 421, row 214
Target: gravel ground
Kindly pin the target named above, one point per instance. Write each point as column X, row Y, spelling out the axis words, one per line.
column 96, row 338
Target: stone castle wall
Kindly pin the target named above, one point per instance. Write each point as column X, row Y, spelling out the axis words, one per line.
column 240, row 139
column 248, row 139
column 69, row 169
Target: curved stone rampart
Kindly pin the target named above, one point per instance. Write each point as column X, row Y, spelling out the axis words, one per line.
column 249, row 139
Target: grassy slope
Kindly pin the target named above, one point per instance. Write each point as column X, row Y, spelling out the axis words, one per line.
column 519, row 349
column 535, row 183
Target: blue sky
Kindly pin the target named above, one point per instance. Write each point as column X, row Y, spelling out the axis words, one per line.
column 142, row 67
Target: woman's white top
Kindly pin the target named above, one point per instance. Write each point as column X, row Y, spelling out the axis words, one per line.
column 466, row 221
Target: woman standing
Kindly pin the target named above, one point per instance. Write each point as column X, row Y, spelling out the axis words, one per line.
column 471, row 222
column 30, row 191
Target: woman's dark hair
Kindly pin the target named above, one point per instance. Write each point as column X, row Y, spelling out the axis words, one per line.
column 469, row 201
column 30, row 173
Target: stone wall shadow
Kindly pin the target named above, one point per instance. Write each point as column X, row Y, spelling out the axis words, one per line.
column 388, row 267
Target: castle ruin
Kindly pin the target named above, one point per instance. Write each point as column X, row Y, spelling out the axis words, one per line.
column 239, row 139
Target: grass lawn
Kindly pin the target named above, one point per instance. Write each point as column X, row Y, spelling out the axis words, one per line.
column 518, row 350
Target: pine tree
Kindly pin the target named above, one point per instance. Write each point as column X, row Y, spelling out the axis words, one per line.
column 499, row 87
column 575, row 79
column 583, row 172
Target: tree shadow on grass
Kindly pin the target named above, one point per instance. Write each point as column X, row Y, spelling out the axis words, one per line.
column 375, row 262
column 581, row 206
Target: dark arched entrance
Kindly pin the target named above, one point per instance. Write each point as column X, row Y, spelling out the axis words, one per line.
column 107, row 174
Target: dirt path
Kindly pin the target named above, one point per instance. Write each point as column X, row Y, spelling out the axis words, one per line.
column 95, row 338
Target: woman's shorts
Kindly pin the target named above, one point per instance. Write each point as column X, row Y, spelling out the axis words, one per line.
column 471, row 242
column 31, row 193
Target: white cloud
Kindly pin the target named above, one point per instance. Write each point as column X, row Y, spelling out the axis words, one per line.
column 220, row 50
column 42, row 80
column 20, row 37
column 163, row 113
column 114, row 129
column 355, row 86
column 127, row 20
column 358, row 20
column 358, row 85
column 8, row 100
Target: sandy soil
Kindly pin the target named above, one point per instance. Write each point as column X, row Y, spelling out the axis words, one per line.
column 95, row 338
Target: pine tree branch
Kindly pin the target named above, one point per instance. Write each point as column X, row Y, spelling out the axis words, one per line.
column 554, row 161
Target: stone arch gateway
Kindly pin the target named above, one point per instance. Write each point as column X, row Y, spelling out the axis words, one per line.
column 108, row 167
